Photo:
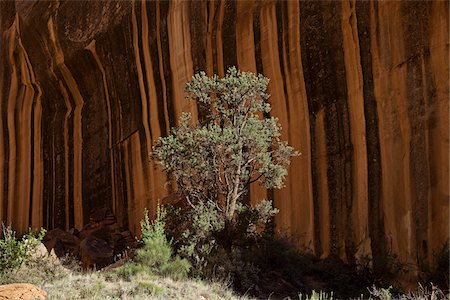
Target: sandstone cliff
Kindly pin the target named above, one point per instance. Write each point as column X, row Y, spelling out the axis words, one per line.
column 361, row 89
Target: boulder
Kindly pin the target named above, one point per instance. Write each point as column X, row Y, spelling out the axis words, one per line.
column 103, row 239
column 62, row 242
column 96, row 252
column 39, row 252
column 21, row 291
column 96, row 244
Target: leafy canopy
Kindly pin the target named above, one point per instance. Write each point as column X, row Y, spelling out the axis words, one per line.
column 216, row 160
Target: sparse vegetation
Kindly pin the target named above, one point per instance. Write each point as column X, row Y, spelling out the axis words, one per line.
column 16, row 252
column 156, row 254
column 146, row 277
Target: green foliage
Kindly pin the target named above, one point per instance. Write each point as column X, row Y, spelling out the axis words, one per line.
column 214, row 161
column 316, row 296
column 128, row 271
column 155, row 256
column 198, row 241
column 15, row 252
column 217, row 250
column 217, row 159
column 149, row 287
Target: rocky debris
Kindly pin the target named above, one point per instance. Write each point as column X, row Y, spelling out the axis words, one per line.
column 96, row 252
column 21, row 291
column 96, row 244
column 62, row 242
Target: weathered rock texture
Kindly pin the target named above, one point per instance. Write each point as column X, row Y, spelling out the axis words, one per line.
column 21, row 291
column 361, row 89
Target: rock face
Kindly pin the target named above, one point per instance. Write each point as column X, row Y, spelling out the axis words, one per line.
column 97, row 245
column 361, row 89
column 21, row 291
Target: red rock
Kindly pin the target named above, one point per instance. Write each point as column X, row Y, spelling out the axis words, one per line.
column 96, row 253
column 62, row 242
column 103, row 239
column 21, row 291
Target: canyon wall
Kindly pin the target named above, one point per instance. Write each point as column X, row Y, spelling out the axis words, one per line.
column 361, row 90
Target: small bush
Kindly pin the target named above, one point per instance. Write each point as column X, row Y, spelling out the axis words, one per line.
column 198, row 241
column 149, row 288
column 15, row 252
column 156, row 255
column 316, row 296
column 128, row 271
column 219, row 250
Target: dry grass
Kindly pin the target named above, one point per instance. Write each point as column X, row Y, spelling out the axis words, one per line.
column 68, row 281
column 96, row 285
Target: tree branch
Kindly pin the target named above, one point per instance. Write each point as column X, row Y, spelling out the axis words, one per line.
column 256, row 179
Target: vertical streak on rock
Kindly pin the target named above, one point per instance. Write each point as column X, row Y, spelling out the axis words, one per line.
column 136, row 181
column 357, row 125
column 245, row 52
column 375, row 218
column 72, row 86
column 156, row 173
column 161, row 66
column 228, row 37
column 38, row 163
column 245, row 44
column 271, row 66
column 180, row 56
column 438, row 206
column 322, row 190
column 66, row 150
column 219, row 43
column 200, row 22
column 145, row 121
column 128, row 189
column 12, row 98
column 389, row 87
column 7, row 14
column 3, row 63
column 210, row 39
column 24, row 141
column 92, row 49
column 152, row 96
column 326, row 89
column 418, row 92
column 33, row 128
column 299, row 131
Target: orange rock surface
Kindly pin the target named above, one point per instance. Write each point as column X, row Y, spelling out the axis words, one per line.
column 361, row 89
column 21, row 291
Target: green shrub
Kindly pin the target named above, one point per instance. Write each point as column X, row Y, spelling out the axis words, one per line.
column 199, row 240
column 316, row 296
column 176, row 269
column 149, row 288
column 217, row 251
column 156, row 254
column 128, row 271
column 15, row 252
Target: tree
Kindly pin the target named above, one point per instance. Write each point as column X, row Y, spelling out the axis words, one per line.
column 214, row 161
